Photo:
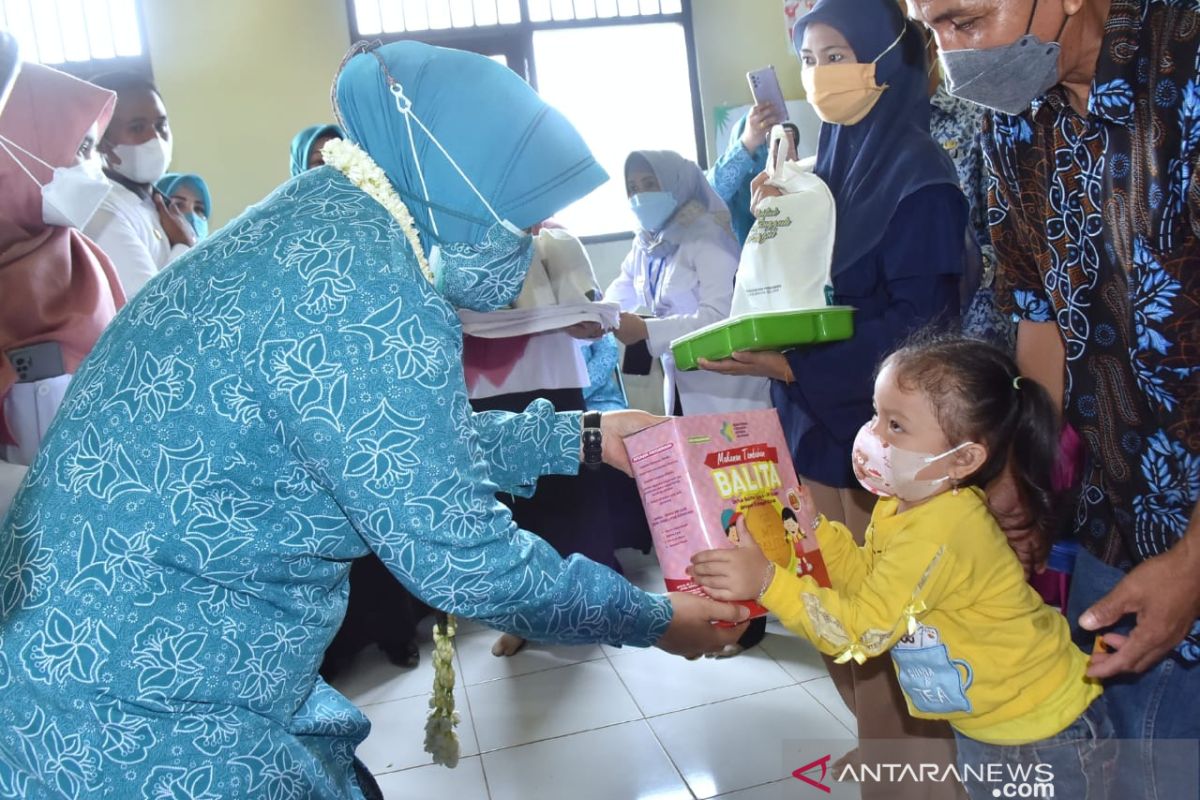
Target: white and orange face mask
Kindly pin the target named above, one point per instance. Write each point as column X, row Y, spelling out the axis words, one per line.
column 843, row 94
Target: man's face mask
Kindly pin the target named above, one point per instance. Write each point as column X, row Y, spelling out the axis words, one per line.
column 73, row 194
column 143, row 163
column 1007, row 78
column 484, row 277
column 843, row 94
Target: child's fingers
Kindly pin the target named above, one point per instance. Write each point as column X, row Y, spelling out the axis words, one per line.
column 707, row 571
column 711, row 557
column 722, row 594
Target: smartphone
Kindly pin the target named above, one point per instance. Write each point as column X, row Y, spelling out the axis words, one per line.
column 764, row 86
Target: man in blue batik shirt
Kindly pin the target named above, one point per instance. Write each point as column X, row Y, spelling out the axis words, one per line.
column 1095, row 215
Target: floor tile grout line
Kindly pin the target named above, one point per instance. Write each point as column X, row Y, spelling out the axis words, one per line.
column 749, row 788
column 670, row 758
column 465, row 686
column 495, row 750
column 487, row 788
column 831, row 712
column 729, row 700
column 625, row 686
column 536, row 671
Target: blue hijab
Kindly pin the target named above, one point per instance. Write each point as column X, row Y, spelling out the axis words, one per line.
column 873, row 166
column 302, row 142
column 168, row 183
column 699, row 210
column 521, row 154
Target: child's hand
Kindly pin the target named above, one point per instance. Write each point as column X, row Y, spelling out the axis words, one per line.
column 807, row 514
column 736, row 574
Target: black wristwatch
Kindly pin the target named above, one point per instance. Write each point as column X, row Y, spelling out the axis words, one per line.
column 593, row 442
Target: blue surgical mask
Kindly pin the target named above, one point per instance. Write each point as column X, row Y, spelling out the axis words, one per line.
column 1007, row 78
column 484, row 277
column 653, row 209
column 199, row 224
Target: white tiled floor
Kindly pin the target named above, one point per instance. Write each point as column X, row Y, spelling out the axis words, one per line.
column 604, row 723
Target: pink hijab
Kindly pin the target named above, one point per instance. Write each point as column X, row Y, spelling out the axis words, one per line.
column 55, row 283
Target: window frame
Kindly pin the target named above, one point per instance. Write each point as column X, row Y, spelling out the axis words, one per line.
column 138, row 65
column 515, row 41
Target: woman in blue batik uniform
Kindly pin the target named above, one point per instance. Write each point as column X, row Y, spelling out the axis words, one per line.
column 284, row 399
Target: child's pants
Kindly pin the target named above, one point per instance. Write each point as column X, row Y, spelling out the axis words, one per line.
column 1079, row 763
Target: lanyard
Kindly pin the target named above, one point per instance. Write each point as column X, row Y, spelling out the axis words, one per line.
column 654, row 280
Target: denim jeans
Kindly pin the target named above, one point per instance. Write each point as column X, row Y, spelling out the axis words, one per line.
column 1077, row 764
column 1156, row 715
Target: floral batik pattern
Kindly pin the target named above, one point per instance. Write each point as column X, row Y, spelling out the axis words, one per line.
column 282, row 400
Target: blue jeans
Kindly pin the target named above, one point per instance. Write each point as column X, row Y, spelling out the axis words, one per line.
column 1156, row 715
column 1077, row 764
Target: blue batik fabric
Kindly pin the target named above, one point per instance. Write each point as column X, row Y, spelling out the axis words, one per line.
column 283, row 399
column 1096, row 222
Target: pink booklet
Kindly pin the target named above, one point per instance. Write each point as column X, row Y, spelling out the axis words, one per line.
column 709, row 481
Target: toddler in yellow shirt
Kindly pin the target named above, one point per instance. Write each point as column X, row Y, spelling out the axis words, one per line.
column 936, row 582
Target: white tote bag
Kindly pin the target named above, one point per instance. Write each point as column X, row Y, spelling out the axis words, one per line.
column 787, row 257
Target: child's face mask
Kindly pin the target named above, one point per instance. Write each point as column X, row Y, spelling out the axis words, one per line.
column 890, row 471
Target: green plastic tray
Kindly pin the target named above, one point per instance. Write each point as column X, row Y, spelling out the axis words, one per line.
column 773, row 330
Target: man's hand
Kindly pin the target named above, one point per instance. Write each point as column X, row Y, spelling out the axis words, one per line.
column 614, row 427
column 1164, row 594
column 763, row 364
column 1031, row 545
column 174, row 223
column 692, row 632
column 632, row 329
column 759, row 122
column 733, row 574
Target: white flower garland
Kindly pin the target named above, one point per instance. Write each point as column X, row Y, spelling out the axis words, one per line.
column 441, row 740
column 354, row 162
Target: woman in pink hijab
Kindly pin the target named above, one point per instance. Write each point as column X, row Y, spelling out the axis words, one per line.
column 58, row 290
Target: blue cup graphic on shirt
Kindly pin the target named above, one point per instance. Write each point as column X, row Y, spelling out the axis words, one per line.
column 934, row 682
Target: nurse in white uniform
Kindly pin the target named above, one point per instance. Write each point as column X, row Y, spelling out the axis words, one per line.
column 681, row 269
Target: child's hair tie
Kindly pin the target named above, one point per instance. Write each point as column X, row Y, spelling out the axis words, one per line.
column 1017, row 383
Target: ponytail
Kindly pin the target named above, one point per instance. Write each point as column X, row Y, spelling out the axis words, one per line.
column 1034, row 452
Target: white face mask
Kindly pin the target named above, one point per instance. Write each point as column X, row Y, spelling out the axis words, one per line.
column 143, row 163
column 73, row 194
column 890, row 471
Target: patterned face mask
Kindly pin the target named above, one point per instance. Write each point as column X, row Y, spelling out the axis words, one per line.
column 889, row 471
column 484, row 277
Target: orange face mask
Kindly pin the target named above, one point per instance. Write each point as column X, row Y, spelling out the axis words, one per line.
column 843, row 94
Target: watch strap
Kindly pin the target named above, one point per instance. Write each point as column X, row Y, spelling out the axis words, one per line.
column 593, row 441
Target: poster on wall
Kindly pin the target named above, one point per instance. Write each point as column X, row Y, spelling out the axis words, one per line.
column 794, row 10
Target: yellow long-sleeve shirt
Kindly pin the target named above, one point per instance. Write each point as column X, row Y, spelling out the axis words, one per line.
column 939, row 586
